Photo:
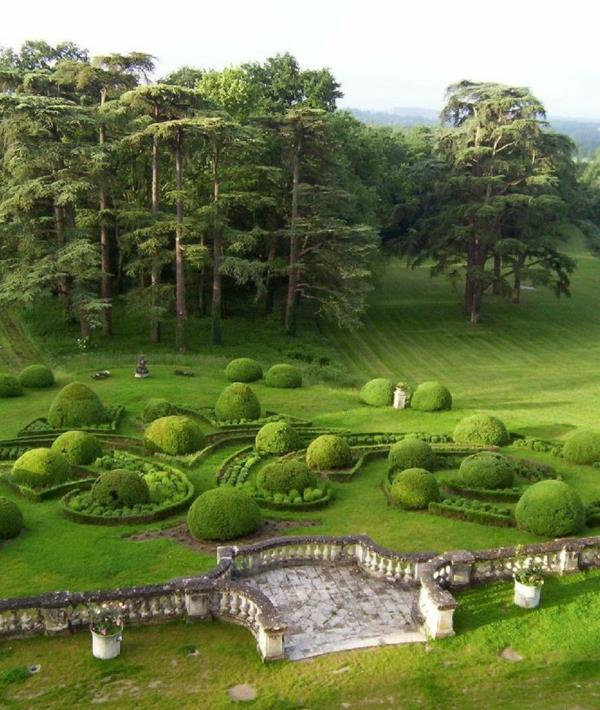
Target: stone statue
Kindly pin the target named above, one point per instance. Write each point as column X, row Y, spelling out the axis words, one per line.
column 399, row 398
column 141, row 369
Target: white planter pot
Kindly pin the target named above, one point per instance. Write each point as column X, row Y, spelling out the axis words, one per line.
column 106, row 647
column 527, row 596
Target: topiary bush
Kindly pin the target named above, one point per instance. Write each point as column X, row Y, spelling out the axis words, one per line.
column 414, row 489
column 550, row 508
column 431, row 397
column 582, row 447
column 36, row 376
column 243, row 369
column 411, row 453
column 487, row 470
column 78, row 447
column 277, row 438
column 284, row 377
column 328, row 452
column 157, row 408
column 11, row 519
column 223, row 513
column 76, row 405
column 175, row 435
column 120, row 489
column 41, row 468
column 482, row 429
column 285, row 476
column 378, row 392
column 10, row 387
column 237, row 401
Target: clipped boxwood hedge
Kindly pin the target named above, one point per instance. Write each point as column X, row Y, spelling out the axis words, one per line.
column 36, row 376
column 431, row 397
column 156, row 408
column 328, row 452
column 175, row 435
column 9, row 387
column 550, row 508
column 582, row 447
column 76, row 405
column 411, row 453
column 277, row 438
column 237, row 401
column 223, row 513
column 41, row 468
column 11, row 519
column 482, row 429
column 243, row 369
column 120, row 488
column 378, row 392
column 285, row 476
column 487, row 469
column 414, row 489
column 284, row 377
column 483, row 513
column 78, row 447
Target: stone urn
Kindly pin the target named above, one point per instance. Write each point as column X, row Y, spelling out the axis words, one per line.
column 106, row 647
column 527, row 596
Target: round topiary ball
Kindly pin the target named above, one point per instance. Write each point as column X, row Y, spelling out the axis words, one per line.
column 36, row 376
column 41, row 468
column 487, row 470
column 120, row 489
column 175, row 435
column 10, row 387
column 582, row 447
column 411, row 453
column 157, row 408
column 11, row 519
column 328, row 452
column 243, row 369
column 76, row 405
column 550, row 508
column 237, row 401
column 223, row 513
column 378, row 392
column 414, row 489
column 277, row 438
column 78, row 447
column 481, row 429
column 284, row 476
column 284, row 377
column 431, row 397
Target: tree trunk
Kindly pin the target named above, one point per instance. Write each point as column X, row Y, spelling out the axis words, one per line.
column 179, row 271
column 497, row 283
column 516, row 289
column 269, row 295
column 217, row 292
column 469, row 277
column 105, row 283
column 155, row 325
column 291, row 325
column 84, row 325
column 63, row 283
column 477, row 286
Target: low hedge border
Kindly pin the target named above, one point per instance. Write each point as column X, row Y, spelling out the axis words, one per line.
column 305, row 505
column 542, row 445
column 498, row 495
column 246, row 462
column 241, row 454
column 85, row 479
column 12, row 453
column 347, row 475
column 386, row 437
column 450, row 510
column 41, row 426
column 208, row 414
column 191, row 460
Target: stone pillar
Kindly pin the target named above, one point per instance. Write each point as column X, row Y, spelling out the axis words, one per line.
column 462, row 563
column 569, row 558
column 399, row 398
column 438, row 617
column 270, row 642
column 197, row 605
column 56, row 621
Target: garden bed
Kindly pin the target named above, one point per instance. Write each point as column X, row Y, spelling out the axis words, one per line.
column 42, row 427
column 84, row 479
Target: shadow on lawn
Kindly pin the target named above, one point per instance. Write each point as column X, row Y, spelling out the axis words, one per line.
column 533, row 405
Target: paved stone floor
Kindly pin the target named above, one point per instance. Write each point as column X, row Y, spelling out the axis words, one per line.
column 338, row 608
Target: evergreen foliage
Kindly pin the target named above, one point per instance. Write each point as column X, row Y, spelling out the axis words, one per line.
column 237, row 402
column 487, row 470
column 378, row 392
column 277, row 438
column 78, row 447
column 414, row 489
column 328, row 452
column 11, row 519
column 120, row 488
column 582, row 447
column 41, row 468
column 223, row 513
column 550, row 508
column 283, row 376
column 76, row 405
column 482, row 429
column 243, row 369
column 431, row 397
column 411, row 453
column 36, row 376
column 175, row 435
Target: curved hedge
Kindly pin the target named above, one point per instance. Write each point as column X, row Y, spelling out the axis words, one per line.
column 284, row 377
column 237, row 401
column 11, row 519
column 550, row 508
column 76, row 405
column 243, row 369
column 582, row 447
column 487, row 470
column 10, row 387
column 174, row 435
column 78, row 447
column 482, row 429
column 41, row 468
column 328, row 452
column 120, row 489
column 285, row 476
column 414, row 489
column 223, row 513
column 411, row 453
column 36, row 376
column 431, row 397
column 277, row 438
column 156, row 408
column 378, row 392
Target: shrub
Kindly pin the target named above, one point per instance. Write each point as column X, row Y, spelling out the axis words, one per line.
column 582, row 447
column 157, row 408
column 243, row 369
column 550, row 508
column 41, row 468
column 223, row 513
column 79, row 447
column 174, row 435
column 328, row 452
column 76, row 405
column 414, row 489
column 11, row 519
column 10, row 387
column 481, row 429
column 431, row 397
column 277, row 438
column 36, row 376
column 285, row 476
column 487, row 470
column 411, row 453
column 120, row 489
column 378, row 392
column 237, row 401
column 284, row 377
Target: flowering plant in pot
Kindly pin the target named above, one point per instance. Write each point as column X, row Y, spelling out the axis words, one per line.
column 529, row 579
column 106, row 625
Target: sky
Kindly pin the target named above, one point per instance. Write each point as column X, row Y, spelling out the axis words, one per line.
column 385, row 53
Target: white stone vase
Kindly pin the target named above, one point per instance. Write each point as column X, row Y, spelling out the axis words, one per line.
column 527, row 596
column 106, row 647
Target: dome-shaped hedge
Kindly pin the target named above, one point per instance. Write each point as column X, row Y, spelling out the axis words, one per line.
column 284, row 377
column 11, row 519
column 237, row 401
column 243, row 369
column 175, row 435
column 414, row 489
column 284, row 476
column 79, row 447
column 378, row 392
column 10, row 387
column 582, row 447
column 156, row 408
column 328, row 452
column 277, row 438
column 76, row 405
column 481, row 429
column 411, row 453
column 120, row 489
column 487, row 470
column 431, row 397
column 550, row 508
column 41, row 468
column 223, row 513
column 36, row 376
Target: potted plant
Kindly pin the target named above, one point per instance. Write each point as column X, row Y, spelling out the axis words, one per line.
column 107, row 632
column 528, row 586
